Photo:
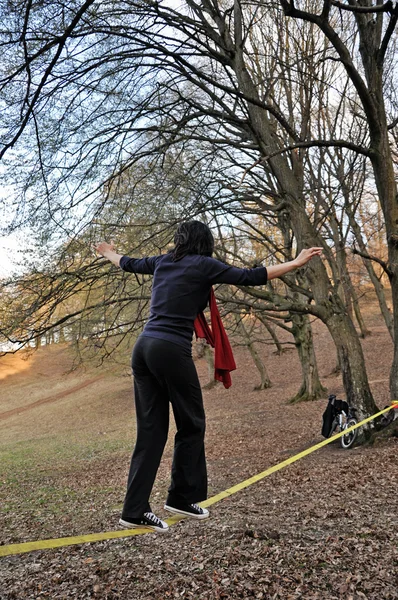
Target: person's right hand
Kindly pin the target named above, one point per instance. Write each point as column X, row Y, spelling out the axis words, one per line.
column 306, row 255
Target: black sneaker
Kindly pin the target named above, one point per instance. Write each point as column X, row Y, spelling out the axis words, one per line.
column 148, row 520
column 190, row 510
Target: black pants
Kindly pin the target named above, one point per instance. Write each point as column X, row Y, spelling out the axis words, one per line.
column 164, row 372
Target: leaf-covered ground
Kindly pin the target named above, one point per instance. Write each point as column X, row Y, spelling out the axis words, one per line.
column 324, row 528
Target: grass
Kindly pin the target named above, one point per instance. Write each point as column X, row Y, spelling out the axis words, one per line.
column 43, row 474
column 59, row 451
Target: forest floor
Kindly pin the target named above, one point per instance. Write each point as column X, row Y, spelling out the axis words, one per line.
column 323, row 528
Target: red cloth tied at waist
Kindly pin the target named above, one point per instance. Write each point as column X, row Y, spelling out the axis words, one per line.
column 224, row 361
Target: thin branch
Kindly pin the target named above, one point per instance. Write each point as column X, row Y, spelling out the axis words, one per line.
column 393, row 124
column 387, row 36
column 367, row 256
column 320, row 144
column 39, row 332
column 387, row 7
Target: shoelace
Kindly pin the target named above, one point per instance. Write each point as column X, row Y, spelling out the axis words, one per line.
column 197, row 507
column 153, row 518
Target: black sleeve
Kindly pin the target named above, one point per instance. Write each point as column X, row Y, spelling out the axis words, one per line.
column 219, row 272
column 145, row 266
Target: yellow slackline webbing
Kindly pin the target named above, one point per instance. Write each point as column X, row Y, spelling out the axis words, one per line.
column 109, row 535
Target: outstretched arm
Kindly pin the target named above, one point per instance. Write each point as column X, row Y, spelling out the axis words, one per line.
column 305, row 255
column 108, row 252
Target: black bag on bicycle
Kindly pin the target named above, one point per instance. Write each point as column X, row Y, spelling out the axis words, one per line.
column 328, row 419
column 333, row 408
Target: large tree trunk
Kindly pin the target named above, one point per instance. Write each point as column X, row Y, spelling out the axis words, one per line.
column 379, row 435
column 352, row 364
column 311, row 386
column 374, row 37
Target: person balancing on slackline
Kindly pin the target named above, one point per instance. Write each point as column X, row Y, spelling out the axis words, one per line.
column 164, row 371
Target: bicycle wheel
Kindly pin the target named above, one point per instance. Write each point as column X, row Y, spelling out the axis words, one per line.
column 349, row 438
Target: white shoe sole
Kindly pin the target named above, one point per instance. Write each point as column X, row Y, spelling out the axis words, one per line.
column 177, row 511
column 128, row 525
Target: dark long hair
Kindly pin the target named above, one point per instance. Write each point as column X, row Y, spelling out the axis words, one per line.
column 192, row 237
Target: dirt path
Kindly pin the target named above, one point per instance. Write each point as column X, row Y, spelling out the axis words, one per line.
column 53, row 398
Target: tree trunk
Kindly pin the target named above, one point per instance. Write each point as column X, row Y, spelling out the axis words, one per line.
column 373, row 42
column 352, row 362
column 333, row 313
column 381, row 432
column 61, row 339
column 209, row 356
column 271, row 331
column 265, row 380
column 358, row 314
column 311, row 387
column 204, row 351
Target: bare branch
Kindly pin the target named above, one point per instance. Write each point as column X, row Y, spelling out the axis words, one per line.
column 387, row 7
column 367, row 256
column 319, row 144
column 393, row 124
column 387, row 36
column 62, row 41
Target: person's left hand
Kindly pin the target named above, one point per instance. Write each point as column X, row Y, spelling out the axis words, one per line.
column 306, row 255
column 104, row 247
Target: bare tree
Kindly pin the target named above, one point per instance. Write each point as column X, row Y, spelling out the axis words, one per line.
column 128, row 80
column 367, row 65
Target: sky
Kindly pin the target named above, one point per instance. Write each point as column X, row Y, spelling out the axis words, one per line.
column 9, row 255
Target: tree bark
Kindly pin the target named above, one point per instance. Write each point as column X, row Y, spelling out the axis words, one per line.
column 386, row 186
column 351, row 360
